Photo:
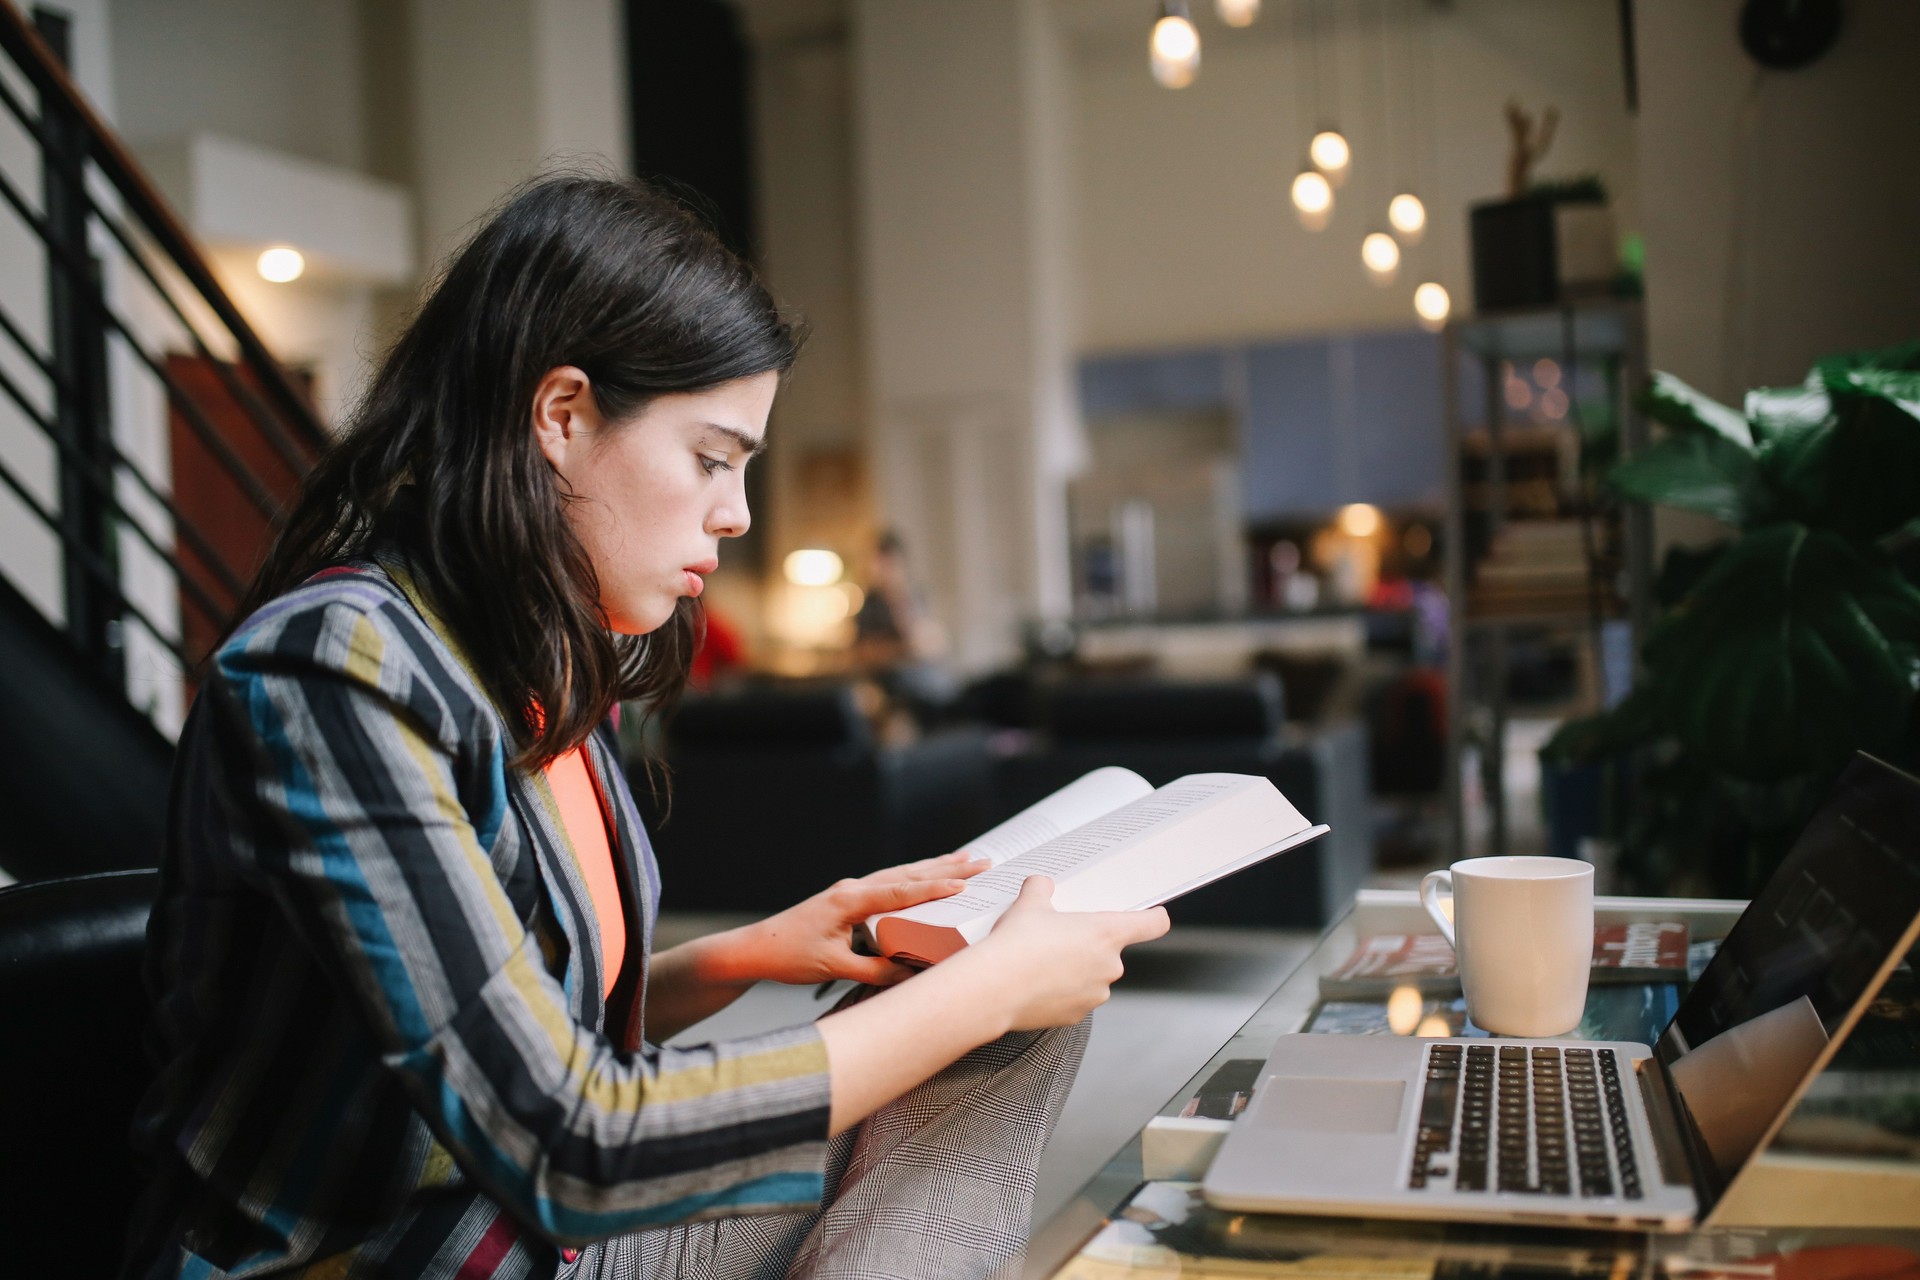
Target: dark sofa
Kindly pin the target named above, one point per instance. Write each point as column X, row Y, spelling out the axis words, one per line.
column 772, row 792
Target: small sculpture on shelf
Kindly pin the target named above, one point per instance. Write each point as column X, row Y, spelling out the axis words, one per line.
column 1531, row 139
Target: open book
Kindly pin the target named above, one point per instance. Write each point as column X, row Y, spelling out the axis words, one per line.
column 1111, row 843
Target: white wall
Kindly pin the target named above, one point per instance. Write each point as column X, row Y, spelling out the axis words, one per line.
column 1186, row 230
column 1781, row 206
column 284, row 74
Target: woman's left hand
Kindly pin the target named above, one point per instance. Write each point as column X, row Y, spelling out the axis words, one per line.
column 813, row 941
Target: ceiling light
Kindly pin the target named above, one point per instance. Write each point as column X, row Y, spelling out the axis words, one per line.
column 281, row 264
column 1175, row 47
column 1408, row 215
column 813, row 568
column 1432, row 305
column 1381, row 254
column 1237, row 13
column 1331, row 154
column 1313, row 198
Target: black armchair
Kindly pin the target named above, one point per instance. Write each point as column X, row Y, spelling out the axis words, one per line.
column 72, row 1011
column 774, row 792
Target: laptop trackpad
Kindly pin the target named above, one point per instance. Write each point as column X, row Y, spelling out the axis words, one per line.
column 1322, row 1104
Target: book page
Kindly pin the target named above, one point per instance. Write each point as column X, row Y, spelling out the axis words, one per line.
column 1079, row 802
column 1069, row 858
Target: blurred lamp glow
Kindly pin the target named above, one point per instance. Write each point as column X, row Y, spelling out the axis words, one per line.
column 1360, row 520
column 1431, row 304
column 1330, row 152
column 280, row 264
column 1175, row 51
column 1404, row 1007
column 1380, row 253
column 1237, row 13
column 1407, row 214
column 1312, row 193
column 813, row 568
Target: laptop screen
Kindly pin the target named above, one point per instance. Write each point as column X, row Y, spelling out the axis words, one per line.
column 1796, row 965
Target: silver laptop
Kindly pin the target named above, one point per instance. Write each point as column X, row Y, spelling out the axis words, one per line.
column 1632, row 1135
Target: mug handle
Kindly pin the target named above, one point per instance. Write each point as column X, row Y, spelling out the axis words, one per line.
column 1430, row 899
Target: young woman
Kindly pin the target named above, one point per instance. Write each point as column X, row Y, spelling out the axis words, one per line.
column 408, row 1023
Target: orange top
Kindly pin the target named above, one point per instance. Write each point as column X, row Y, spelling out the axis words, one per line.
column 586, row 825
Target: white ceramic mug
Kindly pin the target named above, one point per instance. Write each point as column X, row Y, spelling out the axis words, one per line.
column 1522, row 933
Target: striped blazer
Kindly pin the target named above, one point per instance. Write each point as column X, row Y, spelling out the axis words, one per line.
column 382, row 1043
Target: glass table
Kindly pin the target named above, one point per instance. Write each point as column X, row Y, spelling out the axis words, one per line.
column 1141, row 1215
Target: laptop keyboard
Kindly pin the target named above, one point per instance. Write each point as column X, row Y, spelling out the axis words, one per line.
column 1517, row 1118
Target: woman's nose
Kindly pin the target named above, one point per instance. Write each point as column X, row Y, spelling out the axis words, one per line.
column 730, row 519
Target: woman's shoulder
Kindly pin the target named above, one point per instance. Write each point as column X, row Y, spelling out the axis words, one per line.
column 358, row 622
column 354, row 617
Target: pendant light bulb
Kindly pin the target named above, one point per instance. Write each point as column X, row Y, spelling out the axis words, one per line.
column 1331, row 154
column 1408, row 216
column 1313, row 199
column 1432, row 305
column 1381, row 254
column 1174, row 51
column 1237, row 13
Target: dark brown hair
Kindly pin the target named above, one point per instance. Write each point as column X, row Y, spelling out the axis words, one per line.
column 441, row 465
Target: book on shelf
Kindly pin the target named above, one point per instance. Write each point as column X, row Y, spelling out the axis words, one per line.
column 1111, row 842
column 1642, row 951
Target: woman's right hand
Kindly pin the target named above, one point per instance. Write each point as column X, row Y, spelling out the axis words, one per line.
column 1058, row 966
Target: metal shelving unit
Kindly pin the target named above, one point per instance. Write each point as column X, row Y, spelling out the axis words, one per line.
column 1603, row 338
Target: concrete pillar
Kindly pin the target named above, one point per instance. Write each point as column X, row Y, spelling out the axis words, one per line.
column 503, row 89
column 961, row 117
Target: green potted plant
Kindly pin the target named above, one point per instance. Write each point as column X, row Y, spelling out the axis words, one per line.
column 1783, row 649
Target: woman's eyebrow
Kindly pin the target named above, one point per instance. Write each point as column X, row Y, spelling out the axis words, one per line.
column 752, row 445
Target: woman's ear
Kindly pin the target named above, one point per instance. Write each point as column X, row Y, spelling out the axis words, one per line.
column 565, row 416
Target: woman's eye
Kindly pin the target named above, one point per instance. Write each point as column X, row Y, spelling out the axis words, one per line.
column 711, row 465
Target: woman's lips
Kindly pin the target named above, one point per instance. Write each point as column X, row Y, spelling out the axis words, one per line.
column 696, row 575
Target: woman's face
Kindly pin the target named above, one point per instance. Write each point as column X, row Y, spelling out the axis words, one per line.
column 653, row 496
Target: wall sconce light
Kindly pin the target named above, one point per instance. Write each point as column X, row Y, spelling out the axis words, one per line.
column 282, row 264
column 1359, row 520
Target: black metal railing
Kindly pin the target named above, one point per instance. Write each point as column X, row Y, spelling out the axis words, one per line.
column 126, row 289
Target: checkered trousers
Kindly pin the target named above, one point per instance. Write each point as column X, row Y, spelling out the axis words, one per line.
column 938, row 1183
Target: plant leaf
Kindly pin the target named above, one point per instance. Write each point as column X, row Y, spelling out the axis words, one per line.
column 1633, row 723
column 1773, row 411
column 1700, row 471
column 1673, row 403
column 1681, row 571
column 1903, row 358
column 1796, row 648
column 1872, row 480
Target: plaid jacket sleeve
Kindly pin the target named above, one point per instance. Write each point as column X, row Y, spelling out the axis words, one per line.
column 349, row 778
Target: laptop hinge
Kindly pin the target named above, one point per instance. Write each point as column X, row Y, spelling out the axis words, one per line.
column 1667, row 1145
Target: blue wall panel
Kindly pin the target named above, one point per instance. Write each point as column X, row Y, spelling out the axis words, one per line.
column 1327, row 421
column 1158, row 381
column 1291, row 464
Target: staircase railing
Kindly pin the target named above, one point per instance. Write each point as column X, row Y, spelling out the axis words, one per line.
column 127, row 294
